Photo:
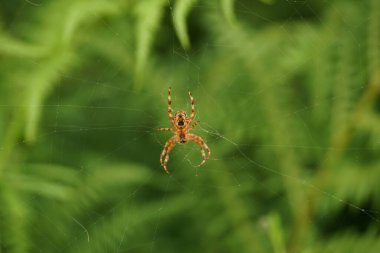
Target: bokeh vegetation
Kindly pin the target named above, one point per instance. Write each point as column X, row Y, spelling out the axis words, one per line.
column 288, row 97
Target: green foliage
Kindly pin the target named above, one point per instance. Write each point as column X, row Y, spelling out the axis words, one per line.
column 288, row 97
column 228, row 10
column 180, row 12
column 148, row 14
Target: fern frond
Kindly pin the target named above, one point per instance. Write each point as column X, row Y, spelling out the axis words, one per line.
column 100, row 182
column 39, row 84
column 47, row 72
column 347, row 85
column 276, row 233
column 374, row 38
column 85, row 12
column 228, row 11
column 9, row 142
column 322, row 71
column 350, row 243
column 46, row 180
column 111, row 186
column 180, row 12
column 120, row 55
column 371, row 123
column 353, row 186
column 148, row 14
column 120, row 229
column 14, row 220
column 13, row 47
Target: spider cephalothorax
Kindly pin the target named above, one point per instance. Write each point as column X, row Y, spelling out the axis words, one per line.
column 180, row 119
column 181, row 127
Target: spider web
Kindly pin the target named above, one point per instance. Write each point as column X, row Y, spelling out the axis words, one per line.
column 226, row 172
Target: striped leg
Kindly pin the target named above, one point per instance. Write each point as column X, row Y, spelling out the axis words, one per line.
column 165, row 129
column 194, row 125
column 170, row 113
column 167, row 148
column 198, row 140
column 192, row 106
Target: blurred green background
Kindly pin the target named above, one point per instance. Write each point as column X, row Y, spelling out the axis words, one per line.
column 287, row 93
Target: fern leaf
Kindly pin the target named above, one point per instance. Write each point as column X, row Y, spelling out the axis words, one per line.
column 346, row 83
column 14, row 216
column 276, row 233
column 322, row 71
column 181, row 10
column 149, row 14
column 350, row 243
column 16, row 48
column 81, row 12
column 39, row 84
column 228, row 11
column 46, row 180
column 47, row 72
column 374, row 38
column 118, row 230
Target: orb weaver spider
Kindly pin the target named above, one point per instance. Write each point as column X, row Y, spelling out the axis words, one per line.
column 181, row 128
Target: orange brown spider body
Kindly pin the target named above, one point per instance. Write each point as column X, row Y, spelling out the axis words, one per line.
column 181, row 127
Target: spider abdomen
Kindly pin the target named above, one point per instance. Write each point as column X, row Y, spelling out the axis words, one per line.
column 182, row 137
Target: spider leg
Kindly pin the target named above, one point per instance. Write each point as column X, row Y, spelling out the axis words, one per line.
column 192, row 106
column 194, row 125
column 170, row 113
column 167, row 148
column 198, row 140
column 165, row 129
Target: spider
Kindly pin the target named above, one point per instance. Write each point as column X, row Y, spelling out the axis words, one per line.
column 181, row 128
